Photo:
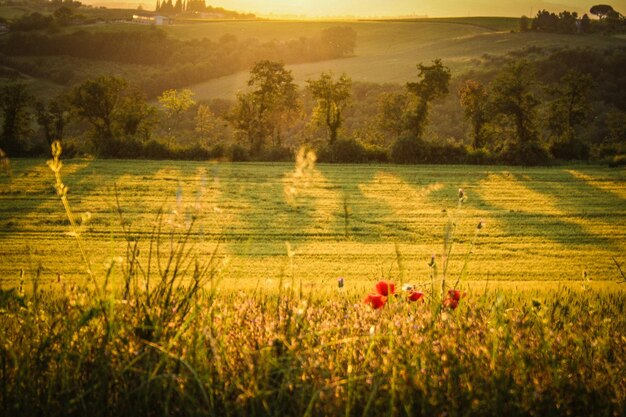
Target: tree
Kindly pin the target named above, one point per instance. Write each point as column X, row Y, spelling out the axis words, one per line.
column 64, row 15
column 175, row 103
column 96, row 101
column 332, row 98
column 391, row 107
column 513, row 98
column 474, row 99
column 14, row 102
column 585, row 24
column 524, row 24
column 53, row 117
column 206, row 122
column 571, row 105
column 338, row 41
column 545, row 21
column 135, row 116
column 268, row 104
column 567, row 22
column 433, row 83
column 601, row 10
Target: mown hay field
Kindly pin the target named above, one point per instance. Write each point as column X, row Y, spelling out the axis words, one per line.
column 544, row 227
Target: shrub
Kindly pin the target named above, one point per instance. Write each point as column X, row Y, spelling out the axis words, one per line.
column 343, row 151
column 409, row 150
column 374, row 153
column 238, row 153
column 618, row 161
column 527, row 154
column 156, row 150
column 569, row 149
column 275, row 153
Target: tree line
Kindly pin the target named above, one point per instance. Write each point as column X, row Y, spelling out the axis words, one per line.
column 609, row 20
column 518, row 111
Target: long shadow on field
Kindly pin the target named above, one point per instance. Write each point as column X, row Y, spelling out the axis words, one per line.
column 263, row 221
column 587, row 204
column 367, row 219
column 533, row 218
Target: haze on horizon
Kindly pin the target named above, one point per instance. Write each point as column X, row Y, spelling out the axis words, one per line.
column 388, row 8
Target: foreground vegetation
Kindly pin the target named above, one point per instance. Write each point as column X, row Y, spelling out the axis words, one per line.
column 226, row 352
column 163, row 330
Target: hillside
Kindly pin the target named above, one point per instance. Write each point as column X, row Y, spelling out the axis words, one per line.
column 388, row 51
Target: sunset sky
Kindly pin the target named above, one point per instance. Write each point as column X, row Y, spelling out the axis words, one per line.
column 366, row 8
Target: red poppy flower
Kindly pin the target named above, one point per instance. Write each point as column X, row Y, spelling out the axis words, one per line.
column 416, row 295
column 385, row 288
column 454, row 294
column 376, row 300
column 450, row 303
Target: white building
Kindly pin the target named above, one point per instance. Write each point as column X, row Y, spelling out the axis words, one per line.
column 157, row 20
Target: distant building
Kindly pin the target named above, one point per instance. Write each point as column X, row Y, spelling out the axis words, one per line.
column 205, row 15
column 157, row 20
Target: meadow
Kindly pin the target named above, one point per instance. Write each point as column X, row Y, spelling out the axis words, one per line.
column 544, row 226
column 168, row 327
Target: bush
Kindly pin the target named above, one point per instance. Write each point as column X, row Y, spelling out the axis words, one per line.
column 343, row 151
column 374, row 153
column 409, row 150
column 618, row 161
column 479, row 156
column 527, row 154
column 238, row 153
column 569, row 149
column 156, row 150
column 275, row 153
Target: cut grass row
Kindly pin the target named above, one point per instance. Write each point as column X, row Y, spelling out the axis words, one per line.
column 542, row 224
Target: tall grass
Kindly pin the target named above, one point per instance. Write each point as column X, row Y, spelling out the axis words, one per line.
column 173, row 342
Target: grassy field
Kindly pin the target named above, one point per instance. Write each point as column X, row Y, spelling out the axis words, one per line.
column 268, row 333
column 544, row 226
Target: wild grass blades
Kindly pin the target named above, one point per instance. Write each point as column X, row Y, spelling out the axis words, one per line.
column 55, row 165
column 173, row 344
column 619, row 268
column 448, row 238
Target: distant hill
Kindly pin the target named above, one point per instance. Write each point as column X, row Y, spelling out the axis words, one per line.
column 386, row 51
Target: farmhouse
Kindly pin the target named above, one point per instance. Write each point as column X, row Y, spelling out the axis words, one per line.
column 157, row 20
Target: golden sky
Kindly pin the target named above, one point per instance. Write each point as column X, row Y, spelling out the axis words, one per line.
column 432, row 8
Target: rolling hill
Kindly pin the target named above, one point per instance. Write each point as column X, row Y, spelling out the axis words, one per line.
column 387, row 51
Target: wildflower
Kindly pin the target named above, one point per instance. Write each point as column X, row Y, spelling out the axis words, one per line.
column 376, row 300
column 385, row 288
column 454, row 296
column 415, row 295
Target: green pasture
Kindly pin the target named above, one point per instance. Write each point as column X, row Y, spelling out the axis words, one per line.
column 543, row 226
